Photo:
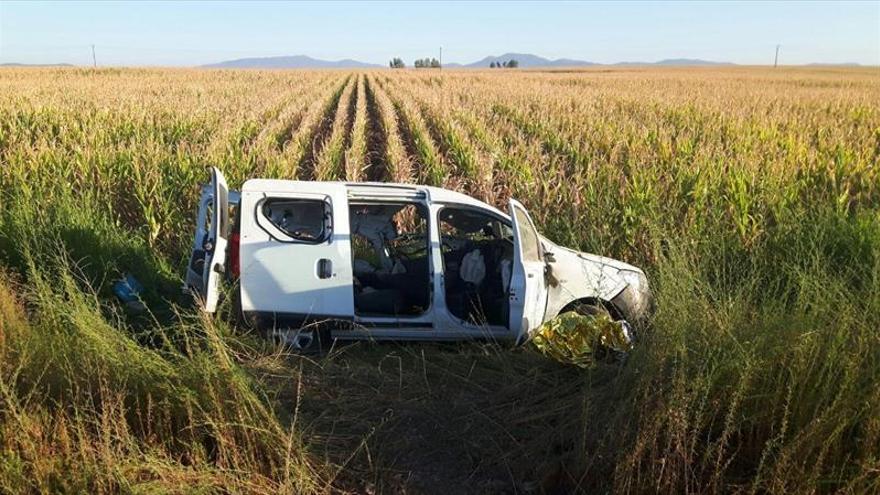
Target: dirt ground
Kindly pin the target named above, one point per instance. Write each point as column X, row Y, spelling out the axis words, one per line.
column 436, row 419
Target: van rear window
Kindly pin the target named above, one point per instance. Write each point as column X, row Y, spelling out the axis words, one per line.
column 301, row 219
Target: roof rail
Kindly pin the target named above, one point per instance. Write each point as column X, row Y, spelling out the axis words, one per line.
column 385, row 191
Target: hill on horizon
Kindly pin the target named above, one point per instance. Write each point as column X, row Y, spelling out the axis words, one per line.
column 678, row 62
column 290, row 62
column 18, row 64
column 526, row 60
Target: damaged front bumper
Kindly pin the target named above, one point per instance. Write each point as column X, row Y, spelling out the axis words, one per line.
column 635, row 301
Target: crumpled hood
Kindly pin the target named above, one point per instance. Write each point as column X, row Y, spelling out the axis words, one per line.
column 603, row 261
column 575, row 275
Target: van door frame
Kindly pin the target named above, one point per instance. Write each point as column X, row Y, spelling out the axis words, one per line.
column 447, row 322
column 400, row 326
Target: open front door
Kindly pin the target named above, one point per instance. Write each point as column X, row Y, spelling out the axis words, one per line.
column 215, row 242
column 528, row 286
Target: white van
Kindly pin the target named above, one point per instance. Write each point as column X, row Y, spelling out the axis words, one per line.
column 393, row 261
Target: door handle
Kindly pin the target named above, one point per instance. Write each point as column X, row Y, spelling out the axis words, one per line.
column 325, row 268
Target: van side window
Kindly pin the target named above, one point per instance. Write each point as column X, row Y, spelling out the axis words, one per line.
column 301, row 219
column 531, row 246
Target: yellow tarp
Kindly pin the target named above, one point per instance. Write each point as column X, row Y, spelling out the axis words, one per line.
column 573, row 338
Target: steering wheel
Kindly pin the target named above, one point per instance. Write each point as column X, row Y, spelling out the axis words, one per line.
column 400, row 247
column 462, row 244
column 444, row 243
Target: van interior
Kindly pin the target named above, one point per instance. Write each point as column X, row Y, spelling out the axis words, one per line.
column 390, row 250
column 477, row 264
column 390, row 258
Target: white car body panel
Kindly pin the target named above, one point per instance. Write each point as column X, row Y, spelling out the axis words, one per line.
column 279, row 274
column 576, row 276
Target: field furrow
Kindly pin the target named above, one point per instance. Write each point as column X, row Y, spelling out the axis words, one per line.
column 325, row 160
column 356, row 156
column 471, row 168
column 389, row 149
column 242, row 142
column 429, row 165
column 297, row 158
column 269, row 146
column 376, row 164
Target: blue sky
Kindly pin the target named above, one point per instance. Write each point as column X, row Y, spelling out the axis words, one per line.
column 166, row 33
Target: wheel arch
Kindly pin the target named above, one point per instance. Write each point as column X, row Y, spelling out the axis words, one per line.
column 615, row 312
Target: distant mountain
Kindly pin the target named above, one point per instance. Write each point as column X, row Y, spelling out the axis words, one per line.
column 16, row 64
column 831, row 64
column 526, row 60
column 290, row 62
column 678, row 61
column 530, row 60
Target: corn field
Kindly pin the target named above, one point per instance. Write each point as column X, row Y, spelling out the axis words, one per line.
column 750, row 196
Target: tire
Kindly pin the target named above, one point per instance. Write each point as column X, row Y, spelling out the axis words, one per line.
column 306, row 340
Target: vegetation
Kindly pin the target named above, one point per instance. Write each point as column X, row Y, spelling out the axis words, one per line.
column 330, row 154
column 396, row 63
column 510, row 64
column 356, row 159
column 750, row 196
column 427, row 63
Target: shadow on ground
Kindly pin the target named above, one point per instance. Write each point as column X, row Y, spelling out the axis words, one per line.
column 431, row 418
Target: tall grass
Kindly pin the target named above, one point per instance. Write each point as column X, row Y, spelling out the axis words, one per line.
column 299, row 152
column 759, row 374
column 95, row 400
column 751, row 197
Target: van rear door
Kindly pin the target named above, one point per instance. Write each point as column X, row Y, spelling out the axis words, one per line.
column 208, row 260
column 195, row 266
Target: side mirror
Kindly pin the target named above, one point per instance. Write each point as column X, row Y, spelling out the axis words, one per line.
column 549, row 257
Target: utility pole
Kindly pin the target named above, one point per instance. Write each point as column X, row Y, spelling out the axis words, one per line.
column 776, row 60
column 442, row 92
column 94, row 60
